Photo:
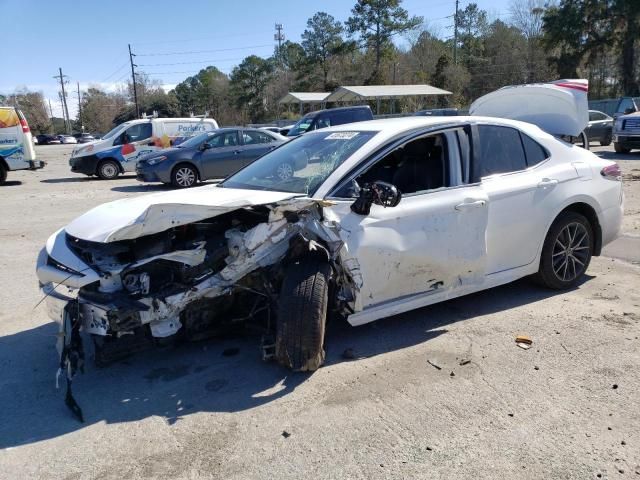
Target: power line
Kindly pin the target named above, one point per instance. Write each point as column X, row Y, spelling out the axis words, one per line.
column 118, row 70
column 133, row 79
column 201, row 51
column 189, row 63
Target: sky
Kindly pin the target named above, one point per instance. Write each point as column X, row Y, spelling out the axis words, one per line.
column 171, row 39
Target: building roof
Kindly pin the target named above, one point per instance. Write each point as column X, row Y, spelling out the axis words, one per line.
column 304, row 97
column 367, row 92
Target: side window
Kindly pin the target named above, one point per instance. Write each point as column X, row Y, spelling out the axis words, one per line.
column 534, row 152
column 500, row 152
column 416, row 167
column 322, row 121
column 139, row 132
column 251, row 137
column 226, row 139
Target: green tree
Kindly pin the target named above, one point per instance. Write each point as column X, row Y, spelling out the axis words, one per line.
column 248, row 83
column 207, row 91
column 377, row 22
column 34, row 108
column 472, row 26
column 99, row 109
column 321, row 40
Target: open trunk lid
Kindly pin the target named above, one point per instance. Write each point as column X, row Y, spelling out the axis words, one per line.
column 558, row 108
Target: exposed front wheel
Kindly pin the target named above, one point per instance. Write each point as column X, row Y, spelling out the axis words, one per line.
column 3, row 174
column 184, row 176
column 566, row 252
column 620, row 149
column 302, row 314
column 108, row 170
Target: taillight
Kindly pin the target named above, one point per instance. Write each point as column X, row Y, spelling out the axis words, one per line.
column 23, row 122
column 612, row 172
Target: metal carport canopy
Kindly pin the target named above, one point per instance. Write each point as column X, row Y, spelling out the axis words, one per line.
column 371, row 92
column 304, row 97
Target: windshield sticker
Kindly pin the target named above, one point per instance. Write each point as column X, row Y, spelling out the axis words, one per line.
column 341, row 136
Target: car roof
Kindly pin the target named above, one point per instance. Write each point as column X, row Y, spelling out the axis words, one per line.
column 338, row 109
column 395, row 126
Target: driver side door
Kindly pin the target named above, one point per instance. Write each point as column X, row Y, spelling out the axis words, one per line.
column 433, row 242
column 221, row 155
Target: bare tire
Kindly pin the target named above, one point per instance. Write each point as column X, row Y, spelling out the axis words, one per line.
column 566, row 252
column 108, row 170
column 3, row 174
column 620, row 149
column 606, row 141
column 302, row 314
column 184, row 176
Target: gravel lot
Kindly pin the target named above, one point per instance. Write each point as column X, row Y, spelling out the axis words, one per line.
column 567, row 408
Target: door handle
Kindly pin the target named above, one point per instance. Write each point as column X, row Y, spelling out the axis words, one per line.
column 470, row 205
column 547, row 182
column 236, row 152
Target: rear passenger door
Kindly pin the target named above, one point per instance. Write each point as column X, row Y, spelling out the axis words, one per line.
column 523, row 193
column 255, row 144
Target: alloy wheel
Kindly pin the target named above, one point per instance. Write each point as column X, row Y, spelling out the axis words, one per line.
column 185, row 177
column 571, row 252
column 284, row 171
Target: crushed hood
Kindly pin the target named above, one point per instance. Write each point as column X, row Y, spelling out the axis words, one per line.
column 558, row 108
column 135, row 217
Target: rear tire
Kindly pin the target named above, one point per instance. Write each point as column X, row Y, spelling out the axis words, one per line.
column 302, row 315
column 566, row 252
column 620, row 149
column 3, row 174
column 606, row 141
column 108, row 170
column 184, row 176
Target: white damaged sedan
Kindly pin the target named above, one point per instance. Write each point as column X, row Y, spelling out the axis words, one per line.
column 378, row 218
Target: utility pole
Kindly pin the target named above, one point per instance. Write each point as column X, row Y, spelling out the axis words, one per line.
column 133, row 78
column 65, row 110
column 80, row 108
column 51, row 116
column 455, row 36
column 279, row 36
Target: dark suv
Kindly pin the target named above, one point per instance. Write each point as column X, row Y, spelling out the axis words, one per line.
column 330, row 117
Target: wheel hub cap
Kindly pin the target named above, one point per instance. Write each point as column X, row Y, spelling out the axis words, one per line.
column 571, row 252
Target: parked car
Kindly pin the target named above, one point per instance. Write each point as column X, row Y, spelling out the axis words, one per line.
column 600, row 128
column 330, row 117
column 615, row 107
column 395, row 214
column 209, row 155
column 438, row 112
column 626, row 133
column 84, row 137
column 119, row 150
column 46, row 139
column 16, row 144
column 67, row 139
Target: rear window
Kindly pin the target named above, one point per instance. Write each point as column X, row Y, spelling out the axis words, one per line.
column 501, row 151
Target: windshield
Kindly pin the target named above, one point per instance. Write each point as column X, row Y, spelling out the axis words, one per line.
column 115, row 130
column 300, row 127
column 301, row 165
column 194, row 141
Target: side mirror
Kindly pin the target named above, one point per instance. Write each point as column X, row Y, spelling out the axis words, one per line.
column 379, row 192
column 204, row 146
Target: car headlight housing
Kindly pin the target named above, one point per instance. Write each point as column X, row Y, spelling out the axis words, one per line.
column 155, row 160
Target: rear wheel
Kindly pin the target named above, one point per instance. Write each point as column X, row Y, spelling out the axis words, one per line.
column 302, row 314
column 566, row 252
column 620, row 149
column 184, row 176
column 108, row 169
column 606, row 141
column 3, row 174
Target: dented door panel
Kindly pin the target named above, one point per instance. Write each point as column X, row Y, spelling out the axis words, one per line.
column 429, row 242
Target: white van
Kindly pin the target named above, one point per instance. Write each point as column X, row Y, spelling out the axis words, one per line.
column 16, row 143
column 119, row 150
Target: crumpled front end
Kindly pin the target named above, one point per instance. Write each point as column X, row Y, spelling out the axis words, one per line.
column 190, row 281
